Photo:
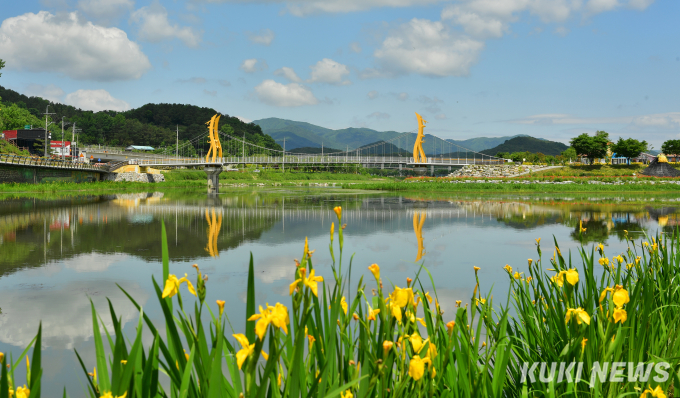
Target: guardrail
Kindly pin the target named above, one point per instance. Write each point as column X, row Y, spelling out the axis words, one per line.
column 48, row 162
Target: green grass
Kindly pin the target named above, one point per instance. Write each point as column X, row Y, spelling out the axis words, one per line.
column 323, row 344
column 595, row 170
column 6, row 147
column 94, row 187
column 443, row 185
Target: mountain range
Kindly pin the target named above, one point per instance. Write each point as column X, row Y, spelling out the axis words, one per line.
column 307, row 135
column 528, row 144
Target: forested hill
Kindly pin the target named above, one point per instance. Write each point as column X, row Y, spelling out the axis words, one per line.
column 151, row 124
column 528, row 144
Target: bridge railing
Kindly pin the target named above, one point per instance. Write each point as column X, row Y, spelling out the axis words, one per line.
column 47, row 162
column 314, row 159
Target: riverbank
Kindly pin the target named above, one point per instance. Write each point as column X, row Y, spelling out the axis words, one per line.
column 529, row 185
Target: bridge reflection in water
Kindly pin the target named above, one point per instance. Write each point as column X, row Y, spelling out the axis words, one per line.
column 214, row 227
column 418, row 222
column 34, row 233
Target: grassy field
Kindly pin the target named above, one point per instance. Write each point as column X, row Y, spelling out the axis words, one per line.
column 529, row 185
column 586, row 308
column 596, row 170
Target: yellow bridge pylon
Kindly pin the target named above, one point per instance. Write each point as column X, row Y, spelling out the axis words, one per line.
column 214, row 140
column 418, row 223
column 418, row 152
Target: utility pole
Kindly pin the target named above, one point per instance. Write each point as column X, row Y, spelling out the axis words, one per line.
column 177, row 150
column 46, row 126
column 62, row 137
column 284, row 155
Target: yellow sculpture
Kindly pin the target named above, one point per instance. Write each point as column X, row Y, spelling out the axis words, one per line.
column 214, row 227
column 214, row 139
column 418, row 152
column 418, row 223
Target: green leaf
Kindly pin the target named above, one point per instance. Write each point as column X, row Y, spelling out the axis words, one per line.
column 250, row 304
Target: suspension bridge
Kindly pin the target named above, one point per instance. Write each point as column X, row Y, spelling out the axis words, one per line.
column 429, row 151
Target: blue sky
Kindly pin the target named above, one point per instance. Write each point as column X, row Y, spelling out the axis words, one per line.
column 547, row 68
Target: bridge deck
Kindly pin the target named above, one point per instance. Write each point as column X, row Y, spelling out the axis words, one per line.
column 432, row 161
column 49, row 163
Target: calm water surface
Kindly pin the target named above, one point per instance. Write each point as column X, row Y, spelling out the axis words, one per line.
column 57, row 255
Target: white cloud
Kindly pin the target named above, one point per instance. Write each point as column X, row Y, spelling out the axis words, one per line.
column 669, row 120
column 288, row 73
column 329, row 71
column 286, row 95
column 49, row 92
column 66, row 44
column 598, row 6
column 193, row 80
column 427, row 48
column 402, row 96
column 65, row 313
column 253, row 65
column 372, row 94
column 96, row 100
column 155, row 26
column 355, row 47
column 561, row 31
column 476, row 24
column 304, row 8
column 225, row 83
column 244, row 120
column 105, row 11
column 379, row 115
column 94, row 262
column 440, row 116
column 265, row 37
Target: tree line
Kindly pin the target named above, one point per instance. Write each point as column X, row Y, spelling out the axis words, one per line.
column 153, row 125
column 593, row 147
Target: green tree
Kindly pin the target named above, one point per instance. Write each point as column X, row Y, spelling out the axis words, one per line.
column 593, row 147
column 13, row 117
column 2, row 65
column 569, row 154
column 671, row 147
column 629, row 148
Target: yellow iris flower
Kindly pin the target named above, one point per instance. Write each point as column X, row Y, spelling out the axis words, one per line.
column 343, row 304
column 508, row 268
column 310, row 282
column 401, row 297
column 570, row 275
column 620, row 315
column 387, row 346
column 24, row 392
column 338, row 212
column 620, row 296
column 579, row 314
column 657, row 392
column 372, row 313
column 220, row 303
column 277, row 316
column 172, row 286
column 396, row 311
column 375, row 270
column 245, row 351
column 416, row 368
